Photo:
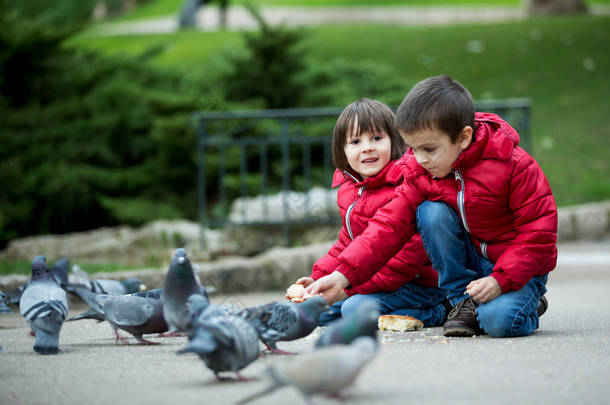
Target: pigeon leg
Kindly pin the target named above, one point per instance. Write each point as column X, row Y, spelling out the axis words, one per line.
column 119, row 337
column 275, row 350
column 240, row 377
column 32, row 333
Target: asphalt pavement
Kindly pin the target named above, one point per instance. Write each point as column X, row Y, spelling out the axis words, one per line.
column 564, row 362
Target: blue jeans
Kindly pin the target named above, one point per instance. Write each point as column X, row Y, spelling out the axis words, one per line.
column 457, row 261
column 423, row 303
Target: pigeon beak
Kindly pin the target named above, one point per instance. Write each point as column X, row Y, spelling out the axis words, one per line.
column 142, row 287
column 180, row 260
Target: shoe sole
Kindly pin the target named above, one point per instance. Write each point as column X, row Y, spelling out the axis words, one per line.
column 459, row 332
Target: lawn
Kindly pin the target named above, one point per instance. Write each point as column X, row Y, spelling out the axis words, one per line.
column 156, row 8
column 561, row 63
column 8, row 267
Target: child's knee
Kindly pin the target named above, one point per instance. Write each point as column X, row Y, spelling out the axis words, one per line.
column 352, row 303
column 498, row 321
column 494, row 323
column 431, row 214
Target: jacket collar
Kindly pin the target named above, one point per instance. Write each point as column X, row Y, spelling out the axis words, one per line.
column 391, row 174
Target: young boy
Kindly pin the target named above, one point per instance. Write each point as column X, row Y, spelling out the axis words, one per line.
column 483, row 206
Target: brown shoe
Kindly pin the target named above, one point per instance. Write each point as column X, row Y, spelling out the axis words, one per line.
column 462, row 320
column 543, row 305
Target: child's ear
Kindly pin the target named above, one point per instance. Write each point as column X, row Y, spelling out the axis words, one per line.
column 465, row 137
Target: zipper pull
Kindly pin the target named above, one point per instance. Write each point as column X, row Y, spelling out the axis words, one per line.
column 458, row 179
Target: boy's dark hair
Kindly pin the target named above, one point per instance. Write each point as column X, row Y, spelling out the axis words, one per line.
column 373, row 116
column 436, row 103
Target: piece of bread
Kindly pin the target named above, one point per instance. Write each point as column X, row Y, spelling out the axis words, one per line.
column 296, row 293
column 399, row 323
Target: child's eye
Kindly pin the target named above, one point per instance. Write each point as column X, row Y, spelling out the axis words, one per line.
column 354, row 141
column 377, row 138
column 429, row 150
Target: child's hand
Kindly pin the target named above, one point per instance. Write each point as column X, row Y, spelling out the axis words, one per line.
column 484, row 289
column 305, row 281
column 330, row 287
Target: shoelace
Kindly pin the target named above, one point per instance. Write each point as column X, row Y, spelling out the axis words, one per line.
column 467, row 305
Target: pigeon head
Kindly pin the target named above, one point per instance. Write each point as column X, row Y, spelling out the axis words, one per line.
column 39, row 268
column 196, row 304
column 313, row 307
column 181, row 264
column 60, row 271
column 180, row 255
column 133, row 285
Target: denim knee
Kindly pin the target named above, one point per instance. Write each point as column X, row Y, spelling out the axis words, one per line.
column 352, row 303
column 499, row 322
column 494, row 321
column 430, row 215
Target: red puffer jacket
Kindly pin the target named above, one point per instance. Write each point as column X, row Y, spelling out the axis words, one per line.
column 358, row 201
column 501, row 194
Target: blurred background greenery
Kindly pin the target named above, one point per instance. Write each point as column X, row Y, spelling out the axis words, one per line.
column 95, row 129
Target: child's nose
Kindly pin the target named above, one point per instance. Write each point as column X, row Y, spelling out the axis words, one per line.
column 366, row 145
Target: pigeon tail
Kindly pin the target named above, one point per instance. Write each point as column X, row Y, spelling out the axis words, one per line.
column 5, row 309
column 91, row 313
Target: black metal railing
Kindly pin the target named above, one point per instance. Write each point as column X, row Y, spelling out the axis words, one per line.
column 242, row 154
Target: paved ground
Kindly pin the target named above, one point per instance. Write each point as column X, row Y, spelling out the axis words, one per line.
column 239, row 18
column 564, row 362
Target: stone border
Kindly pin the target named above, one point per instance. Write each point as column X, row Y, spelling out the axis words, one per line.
column 279, row 267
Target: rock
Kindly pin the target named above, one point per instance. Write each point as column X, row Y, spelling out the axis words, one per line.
column 153, row 243
column 316, row 203
column 584, row 222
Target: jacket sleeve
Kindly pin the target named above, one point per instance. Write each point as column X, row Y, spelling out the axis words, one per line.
column 391, row 227
column 534, row 249
column 330, row 261
column 400, row 269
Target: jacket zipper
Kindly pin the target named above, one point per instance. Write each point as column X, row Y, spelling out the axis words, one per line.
column 349, row 211
column 484, row 249
column 461, row 206
column 460, row 198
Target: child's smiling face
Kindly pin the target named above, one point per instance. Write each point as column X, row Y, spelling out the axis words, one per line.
column 368, row 153
column 434, row 150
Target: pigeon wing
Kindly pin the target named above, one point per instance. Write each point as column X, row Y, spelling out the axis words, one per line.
column 129, row 310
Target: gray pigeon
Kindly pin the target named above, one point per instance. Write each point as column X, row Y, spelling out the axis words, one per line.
column 224, row 341
column 93, row 313
column 284, row 320
column 133, row 314
column 44, row 305
column 328, row 370
column 362, row 322
column 4, row 303
column 179, row 284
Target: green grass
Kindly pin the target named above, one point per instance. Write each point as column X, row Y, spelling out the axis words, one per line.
column 24, row 267
column 156, row 8
column 561, row 63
